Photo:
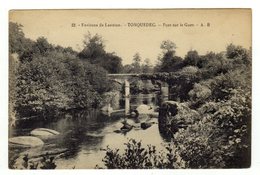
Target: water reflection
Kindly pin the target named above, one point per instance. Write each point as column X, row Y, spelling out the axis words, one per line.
column 85, row 134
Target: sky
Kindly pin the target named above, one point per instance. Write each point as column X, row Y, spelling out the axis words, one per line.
column 220, row 28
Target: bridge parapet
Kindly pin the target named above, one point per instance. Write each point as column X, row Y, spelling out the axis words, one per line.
column 128, row 79
column 128, row 75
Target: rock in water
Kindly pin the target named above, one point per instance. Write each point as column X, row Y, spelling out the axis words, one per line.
column 134, row 114
column 146, row 125
column 44, row 132
column 144, row 109
column 25, row 141
column 117, row 131
column 127, row 127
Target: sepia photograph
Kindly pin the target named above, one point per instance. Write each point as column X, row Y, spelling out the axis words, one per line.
column 130, row 89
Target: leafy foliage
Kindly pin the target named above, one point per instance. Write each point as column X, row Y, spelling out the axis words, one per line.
column 13, row 63
column 221, row 137
column 135, row 156
column 168, row 46
column 48, row 79
column 192, row 58
column 213, row 93
column 94, row 52
column 168, row 62
column 58, row 82
column 137, row 67
column 212, row 127
column 46, row 162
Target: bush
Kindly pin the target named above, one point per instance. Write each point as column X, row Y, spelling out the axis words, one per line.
column 221, row 138
column 135, row 156
column 59, row 81
column 46, row 162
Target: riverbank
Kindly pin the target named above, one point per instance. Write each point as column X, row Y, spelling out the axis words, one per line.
column 86, row 138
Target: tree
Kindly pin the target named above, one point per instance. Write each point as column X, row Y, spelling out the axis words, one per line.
column 136, row 63
column 13, row 66
column 225, row 109
column 39, row 48
column 94, row 48
column 169, row 62
column 67, row 50
column 49, row 85
column 137, row 67
column 214, row 64
column 168, row 46
column 112, row 63
column 42, row 47
column 17, row 41
column 128, row 68
column 234, row 51
column 239, row 54
column 94, row 52
column 40, row 90
column 192, row 58
column 147, row 67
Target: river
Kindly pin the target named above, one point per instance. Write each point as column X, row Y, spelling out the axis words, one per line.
column 86, row 136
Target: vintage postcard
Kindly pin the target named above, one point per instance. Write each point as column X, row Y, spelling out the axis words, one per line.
column 130, row 89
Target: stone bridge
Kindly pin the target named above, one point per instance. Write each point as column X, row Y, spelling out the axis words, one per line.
column 127, row 79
